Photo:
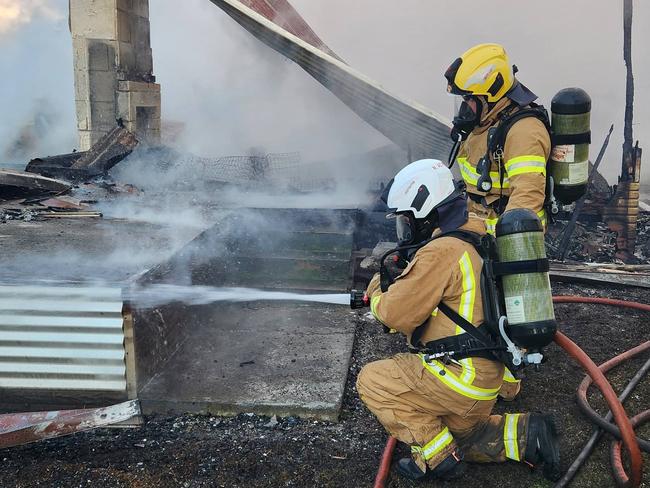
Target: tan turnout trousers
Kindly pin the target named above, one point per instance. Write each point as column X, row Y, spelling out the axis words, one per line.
column 436, row 406
column 421, row 411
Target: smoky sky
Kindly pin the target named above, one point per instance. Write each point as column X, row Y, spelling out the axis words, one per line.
column 232, row 94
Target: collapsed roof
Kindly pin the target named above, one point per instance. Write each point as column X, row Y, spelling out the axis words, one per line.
column 413, row 127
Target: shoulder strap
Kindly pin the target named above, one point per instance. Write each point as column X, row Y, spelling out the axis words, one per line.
column 499, row 138
column 464, row 235
column 481, row 247
column 466, row 325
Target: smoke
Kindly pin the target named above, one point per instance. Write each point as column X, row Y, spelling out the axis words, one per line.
column 232, row 93
column 15, row 13
column 38, row 114
column 555, row 44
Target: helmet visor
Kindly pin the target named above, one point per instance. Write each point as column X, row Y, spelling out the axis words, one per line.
column 405, row 230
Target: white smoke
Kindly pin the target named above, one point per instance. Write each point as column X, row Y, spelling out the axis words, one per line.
column 16, row 13
column 38, row 114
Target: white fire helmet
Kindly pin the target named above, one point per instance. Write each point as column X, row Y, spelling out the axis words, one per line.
column 420, row 187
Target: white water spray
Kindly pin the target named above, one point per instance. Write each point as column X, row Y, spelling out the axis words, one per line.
column 160, row 294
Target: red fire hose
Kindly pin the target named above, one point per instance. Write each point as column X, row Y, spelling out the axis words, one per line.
column 384, row 466
column 625, row 425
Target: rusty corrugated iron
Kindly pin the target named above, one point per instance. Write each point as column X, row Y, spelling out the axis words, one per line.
column 413, row 127
column 282, row 13
column 22, row 428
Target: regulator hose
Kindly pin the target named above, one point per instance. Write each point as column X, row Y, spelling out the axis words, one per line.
column 626, row 425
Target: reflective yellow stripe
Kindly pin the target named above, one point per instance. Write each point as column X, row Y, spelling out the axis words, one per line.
column 458, row 385
column 526, row 164
column 466, row 310
column 436, row 445
column 469, row 174
column 467, row 298
column 510, row 440
column 374, row 301
column 467, row 171
column 508, row 377
column 435, row 312
column 491, row 225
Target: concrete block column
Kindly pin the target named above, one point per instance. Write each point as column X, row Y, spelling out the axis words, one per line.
column 113, row 69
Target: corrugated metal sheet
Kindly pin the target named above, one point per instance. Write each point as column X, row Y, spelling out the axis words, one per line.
column 413, row 127
column 282, row 13
column 61, row 338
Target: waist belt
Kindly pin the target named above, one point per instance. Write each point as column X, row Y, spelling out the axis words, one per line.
column 498, row 205
column 456, row 347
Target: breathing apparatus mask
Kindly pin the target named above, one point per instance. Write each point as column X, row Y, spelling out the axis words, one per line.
column 413, row 231
column 468, row 110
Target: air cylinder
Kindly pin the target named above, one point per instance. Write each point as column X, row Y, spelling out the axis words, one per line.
column 526, row 287
column 571, row 136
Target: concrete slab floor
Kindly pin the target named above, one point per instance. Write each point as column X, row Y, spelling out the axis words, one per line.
column 264, row 357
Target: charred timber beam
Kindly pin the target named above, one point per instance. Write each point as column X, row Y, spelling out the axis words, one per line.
column 108, row 151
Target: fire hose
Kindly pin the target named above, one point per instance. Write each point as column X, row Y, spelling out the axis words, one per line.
column 624, row 428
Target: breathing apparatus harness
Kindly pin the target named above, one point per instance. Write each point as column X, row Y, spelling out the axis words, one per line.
column 490, row 340
column 495, row 149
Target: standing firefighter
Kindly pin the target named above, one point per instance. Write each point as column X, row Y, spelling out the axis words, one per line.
column 503, row 142
column 441, row 407
column 498, row 110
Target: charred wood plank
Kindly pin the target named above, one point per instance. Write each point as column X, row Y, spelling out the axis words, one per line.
column 108, row 151
column 18, row 184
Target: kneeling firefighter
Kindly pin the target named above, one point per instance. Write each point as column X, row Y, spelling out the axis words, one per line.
column 439, row 398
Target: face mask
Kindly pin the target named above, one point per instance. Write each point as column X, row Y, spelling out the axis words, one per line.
column 468, row 116
column 409, row 231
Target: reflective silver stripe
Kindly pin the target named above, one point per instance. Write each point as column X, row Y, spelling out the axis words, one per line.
column 526, row 164
column 491, row 225
column 455, row 383
column 471, row 177
column 510, row 440
column 437, row 444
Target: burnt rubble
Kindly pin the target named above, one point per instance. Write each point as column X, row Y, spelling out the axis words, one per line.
column 594, row 242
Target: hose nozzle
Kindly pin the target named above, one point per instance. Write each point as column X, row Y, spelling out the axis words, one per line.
column 359, row 299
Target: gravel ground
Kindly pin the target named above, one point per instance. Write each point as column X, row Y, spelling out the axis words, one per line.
column 248, row 450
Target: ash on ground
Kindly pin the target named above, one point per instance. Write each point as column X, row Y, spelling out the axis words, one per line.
column 250, row 450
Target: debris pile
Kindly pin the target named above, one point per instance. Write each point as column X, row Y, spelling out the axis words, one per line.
column 18, row 184
column 106, row 153
column 594, row 242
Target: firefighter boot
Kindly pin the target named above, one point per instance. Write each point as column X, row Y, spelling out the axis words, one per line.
column 542, row 445
column 450, row 468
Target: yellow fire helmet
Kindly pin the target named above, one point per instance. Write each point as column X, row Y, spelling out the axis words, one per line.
column 482, row 70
